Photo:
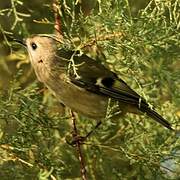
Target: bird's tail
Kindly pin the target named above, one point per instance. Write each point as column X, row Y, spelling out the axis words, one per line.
column 157, row 117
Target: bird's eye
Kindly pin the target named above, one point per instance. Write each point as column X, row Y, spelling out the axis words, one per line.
column 34, row 46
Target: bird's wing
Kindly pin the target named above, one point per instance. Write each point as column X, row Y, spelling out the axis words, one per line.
column 93, row 76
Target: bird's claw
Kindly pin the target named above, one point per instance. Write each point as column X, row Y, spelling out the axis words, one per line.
column 76, row 139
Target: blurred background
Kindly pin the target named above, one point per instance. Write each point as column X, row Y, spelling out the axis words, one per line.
column 34, row 126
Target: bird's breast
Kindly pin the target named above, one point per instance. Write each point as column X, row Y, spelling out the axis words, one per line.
column 77, row 98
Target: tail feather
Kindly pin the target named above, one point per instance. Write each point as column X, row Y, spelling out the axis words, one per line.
column 157, row 117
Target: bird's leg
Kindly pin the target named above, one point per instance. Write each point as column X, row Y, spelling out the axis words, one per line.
column 81, row 139
column 89, row 133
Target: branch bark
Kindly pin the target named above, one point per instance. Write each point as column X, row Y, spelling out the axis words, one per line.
column 78, row 147
column 58, row 23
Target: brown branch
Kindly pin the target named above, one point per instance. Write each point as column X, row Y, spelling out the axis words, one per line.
column 78, row 147
column 57, row 24
column 102, row 38
column 58, row 32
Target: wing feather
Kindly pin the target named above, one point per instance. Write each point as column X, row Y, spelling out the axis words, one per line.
column 91, row 75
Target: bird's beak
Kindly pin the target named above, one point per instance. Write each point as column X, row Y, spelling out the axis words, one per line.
column 22, row 42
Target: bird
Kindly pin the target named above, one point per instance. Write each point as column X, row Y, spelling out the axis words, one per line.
column 83, row 84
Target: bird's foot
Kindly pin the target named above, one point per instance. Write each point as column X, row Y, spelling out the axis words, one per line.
column 76, row 140
column 81, row 139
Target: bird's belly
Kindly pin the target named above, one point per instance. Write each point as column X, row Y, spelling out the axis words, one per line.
column 80, row 100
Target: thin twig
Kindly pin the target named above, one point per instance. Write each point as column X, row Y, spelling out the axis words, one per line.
column 12, row 156
column 78, row 147
column 16, row 14
column 102, row 38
